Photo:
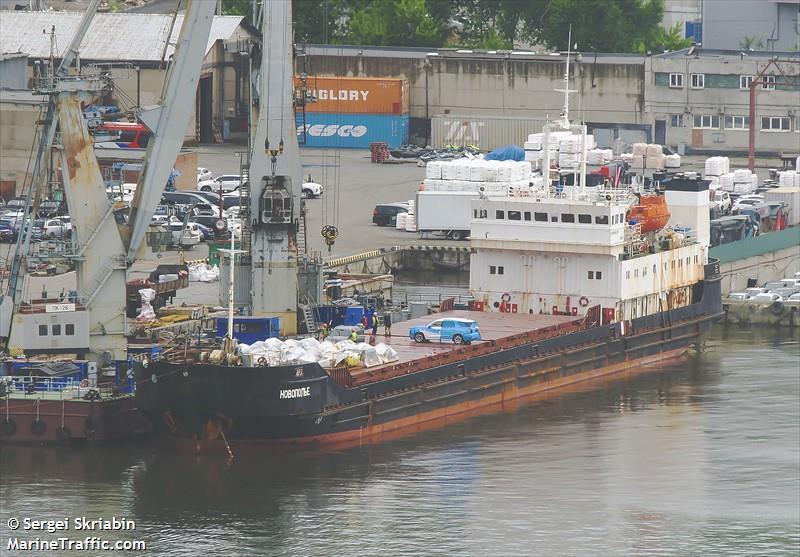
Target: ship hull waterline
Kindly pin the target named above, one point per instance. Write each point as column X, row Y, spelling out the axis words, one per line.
column 205, row 407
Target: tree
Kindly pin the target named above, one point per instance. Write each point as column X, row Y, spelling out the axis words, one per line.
column 667, row 39
column 398, row 23
column 751, row 42
column 599, row 25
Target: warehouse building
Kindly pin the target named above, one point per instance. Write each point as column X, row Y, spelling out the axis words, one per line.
column 699, row 100
column 497, row 97
column 137, row 47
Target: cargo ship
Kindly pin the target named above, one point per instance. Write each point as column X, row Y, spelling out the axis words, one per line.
column 566, row 290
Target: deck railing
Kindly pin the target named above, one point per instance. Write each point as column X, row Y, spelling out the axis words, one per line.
column 58, row 387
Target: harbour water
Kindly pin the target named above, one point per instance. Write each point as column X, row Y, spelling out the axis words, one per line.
column 701, row 457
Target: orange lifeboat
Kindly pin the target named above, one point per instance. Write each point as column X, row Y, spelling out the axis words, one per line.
column 651, row 212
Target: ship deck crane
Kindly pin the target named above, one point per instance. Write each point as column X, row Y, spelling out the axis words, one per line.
column 103, row 242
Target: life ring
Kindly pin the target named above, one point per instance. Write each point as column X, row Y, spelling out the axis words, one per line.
column 261, row 362
column 90, row 426
column 584, row 301
column 506, row 297
column 776, row 308
column 63, row 434
column 38, row 427
column 84, row 383
column 9, row 427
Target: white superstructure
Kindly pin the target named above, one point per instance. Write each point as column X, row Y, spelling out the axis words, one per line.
column 568, row 251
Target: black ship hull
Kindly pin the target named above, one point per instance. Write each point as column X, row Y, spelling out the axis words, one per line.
column 211, row 407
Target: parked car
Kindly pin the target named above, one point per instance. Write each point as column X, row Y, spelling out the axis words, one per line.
column 189, row 201
column 455, row 329
column 210, row 197
column 738, row 296
column 210, row 222
column 10, row 225
column 722, row 199
column 385, row 214
column 747, row 200
column 767, row 297
column 226, row 182
column 53, row 229
column 794, row 298
column 311, row 190
column 755, row 291
column 185, row 237
column 234, row 200
column 203, row 174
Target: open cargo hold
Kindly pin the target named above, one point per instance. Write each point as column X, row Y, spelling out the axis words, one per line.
column 485, row 132
column 357, row 95
column 354, row 131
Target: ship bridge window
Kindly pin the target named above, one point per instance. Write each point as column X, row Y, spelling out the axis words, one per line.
column 42, row 330
column 591, row 275
column 527, row 215
column 567, row 217
column 499, row 214
column 695, row 259
column 627, row 274
column 56, row 330
column 492, row 270
column 654, row 269
column 644, row 271
column 613, row 219
column 621, row 218
column 554, row 218
column 69, row 329
column 601, row 220
column 585, row 219
column 540, row 217
column 500, row 270
column 598, row 275
column 514, row 215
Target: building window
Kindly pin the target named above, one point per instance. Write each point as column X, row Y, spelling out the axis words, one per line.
column 585, row 219
column 627, row 274
column 737, row 122
column 706, row 121
column 598, row 275
column 676, row 80
column 676, row 120
column 514, row 215
column 698, row 81
column 56, row 330
column 492, row 270
column 499, row 214
column 695, row 259
column 42, row 330
column 567, row 217
column 745, row 81
column 768, row 82
column 554, row 218
column 500, row 270
column 775, row 123
column 483, row 214
column 527, row 215
column 636, row 273
column 601, row 220
column 591, row 275
column 541, row 217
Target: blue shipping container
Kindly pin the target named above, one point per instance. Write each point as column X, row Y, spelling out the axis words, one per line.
column 354, row 131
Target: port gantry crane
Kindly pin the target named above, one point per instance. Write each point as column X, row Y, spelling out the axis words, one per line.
column 105, row 239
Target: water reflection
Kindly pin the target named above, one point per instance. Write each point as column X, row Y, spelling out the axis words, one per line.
column 701, row 458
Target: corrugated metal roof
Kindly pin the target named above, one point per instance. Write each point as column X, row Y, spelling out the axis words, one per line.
column 111, row 36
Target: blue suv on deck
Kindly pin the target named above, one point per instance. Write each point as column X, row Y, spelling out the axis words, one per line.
column 455, row 329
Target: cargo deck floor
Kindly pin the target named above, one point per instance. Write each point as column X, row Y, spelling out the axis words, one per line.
column 493, row 326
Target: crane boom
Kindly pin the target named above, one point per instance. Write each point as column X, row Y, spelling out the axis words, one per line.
column 169, row 120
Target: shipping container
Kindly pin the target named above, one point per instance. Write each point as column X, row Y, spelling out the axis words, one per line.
column 354, row 131
column 485, row 132
column 357, row 95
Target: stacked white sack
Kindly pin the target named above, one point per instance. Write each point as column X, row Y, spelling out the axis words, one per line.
column 433, row 170
column 673, row 161
column 789, row 179
column 726, row 181
column 717, row 166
